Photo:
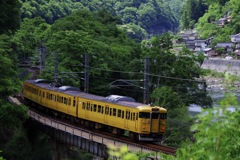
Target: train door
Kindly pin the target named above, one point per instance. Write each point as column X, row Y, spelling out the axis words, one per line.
column 76, row 105
column 106, row 114
column 135, row 117
column 39, row 96
column 154, row 121
column 87, row 110
column 127, row 118
column 57, row 101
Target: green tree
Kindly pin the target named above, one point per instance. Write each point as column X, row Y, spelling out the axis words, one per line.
column 191, row 12
column 32, row 35
column 216, row 133
column 174, row 85
column 98, row 35
column 9, row 82
column 10, row 19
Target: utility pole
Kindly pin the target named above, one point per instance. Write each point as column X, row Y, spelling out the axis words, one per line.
column 146, row 81
column 86, row 73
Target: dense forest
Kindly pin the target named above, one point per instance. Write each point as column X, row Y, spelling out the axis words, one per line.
column 117, row 37
column 138, row 17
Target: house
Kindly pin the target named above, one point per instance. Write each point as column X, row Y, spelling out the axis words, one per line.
column 235, row 38
column 190, row 44
column 222, row 21
column 188, row 35
column 200, row 43
column 209, row 52
column 228, row 46
column 237, row 53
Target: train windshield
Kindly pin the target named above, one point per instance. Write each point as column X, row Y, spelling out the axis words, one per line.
column 144, row 115
column 163, row 115
column 147, row 115
column 155, row 115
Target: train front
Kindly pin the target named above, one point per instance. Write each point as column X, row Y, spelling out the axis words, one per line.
column 152, row 122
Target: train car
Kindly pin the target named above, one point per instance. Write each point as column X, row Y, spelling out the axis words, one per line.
column 117, row 114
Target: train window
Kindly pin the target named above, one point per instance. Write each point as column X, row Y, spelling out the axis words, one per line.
column 69, row 101
column 74, row 103
column 102, row 109
column 95, row 108
column 83, row 104
column 144, row 115
column 127, row 114
column 133, row 118
column 51, row 97
column 154, row 115
column 106, row 110
column 136, row 116
column 122, row 114
column 88, row 106
column 163, row 115
column 99, row 108
column 43, row 94
column 119, row 113
column 65, row 100
column 61, row 99
column 114, row 112
column 110, row 111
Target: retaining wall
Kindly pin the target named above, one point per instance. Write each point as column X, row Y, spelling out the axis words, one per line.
column 222, row 65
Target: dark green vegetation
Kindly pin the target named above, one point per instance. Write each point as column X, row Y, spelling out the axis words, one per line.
column 138, row 17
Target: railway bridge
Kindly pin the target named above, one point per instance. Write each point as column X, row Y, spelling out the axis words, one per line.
column 65, row 135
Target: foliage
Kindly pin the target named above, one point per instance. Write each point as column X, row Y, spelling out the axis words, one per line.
column 9, row 14
column 176, row 71
column 11, row 133
column 123, row 153
column 152, row 16
column 134, row 31
column 32, row 35
column 216, row 133
column 9, row 82
column 50, row 10
column 97, row 35
column 175, row 6
column 76, row 154
column 207, row 25
column 191, row 11
column 174, row 85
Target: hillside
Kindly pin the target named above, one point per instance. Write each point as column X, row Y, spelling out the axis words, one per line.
column 139, row 17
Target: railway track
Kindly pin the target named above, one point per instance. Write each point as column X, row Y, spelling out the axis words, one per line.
column 150, row 146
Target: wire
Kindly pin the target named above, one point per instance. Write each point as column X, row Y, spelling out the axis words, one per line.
column 154, row 75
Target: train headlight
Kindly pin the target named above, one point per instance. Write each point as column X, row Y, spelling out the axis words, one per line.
column 144, row 122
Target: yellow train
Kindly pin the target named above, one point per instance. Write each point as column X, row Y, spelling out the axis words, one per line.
column 117, row 114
